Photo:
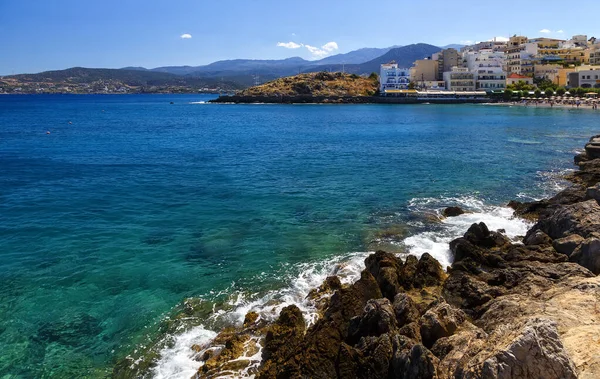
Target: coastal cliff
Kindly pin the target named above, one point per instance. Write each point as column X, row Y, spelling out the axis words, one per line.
column 504, row 309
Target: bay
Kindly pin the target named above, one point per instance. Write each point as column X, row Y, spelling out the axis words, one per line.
column 132, row 203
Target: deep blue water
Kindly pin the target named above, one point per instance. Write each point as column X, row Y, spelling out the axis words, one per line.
column 132, row 204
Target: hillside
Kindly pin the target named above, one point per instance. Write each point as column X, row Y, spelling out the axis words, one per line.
column 100, row 80
column 404, row 56
column 316, row 84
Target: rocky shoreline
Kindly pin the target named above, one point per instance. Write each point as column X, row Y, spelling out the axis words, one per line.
column 504, row 309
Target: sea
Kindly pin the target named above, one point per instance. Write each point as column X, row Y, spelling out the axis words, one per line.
column 117, row 210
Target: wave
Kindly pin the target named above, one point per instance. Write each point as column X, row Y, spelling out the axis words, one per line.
column 180, row 360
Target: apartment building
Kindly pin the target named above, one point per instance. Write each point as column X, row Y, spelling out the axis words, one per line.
column 392, row 77
column 459, row 79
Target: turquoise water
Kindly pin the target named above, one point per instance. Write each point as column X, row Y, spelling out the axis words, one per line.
column 132, row 204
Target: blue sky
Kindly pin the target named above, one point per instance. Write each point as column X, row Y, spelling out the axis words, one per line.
column 46, row 35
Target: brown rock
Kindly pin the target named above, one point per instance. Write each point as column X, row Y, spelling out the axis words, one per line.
column 440, row 321
column 250, row 318
column 567, row 244
column 378, row 318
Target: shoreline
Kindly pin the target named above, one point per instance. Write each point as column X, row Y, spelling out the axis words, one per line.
column 426, row 298
column 544, row 105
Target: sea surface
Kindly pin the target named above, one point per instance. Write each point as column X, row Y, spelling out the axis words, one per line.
column 115, row 209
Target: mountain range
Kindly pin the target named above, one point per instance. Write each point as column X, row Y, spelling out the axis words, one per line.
column 238, row 73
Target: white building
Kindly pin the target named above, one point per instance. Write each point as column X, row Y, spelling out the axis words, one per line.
column 584, row 79
column 487, row 67
column 392, row 77
column 459, row 79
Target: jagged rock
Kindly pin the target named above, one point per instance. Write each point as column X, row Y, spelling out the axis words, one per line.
column 349, row 302
column 593, row 193
column 452, row 212
column 587, row 254
column 411, row 331
column 440, row 321
column 412, row 360
column 429, row 272
column 538, row 238
column 537, row 352
column 378, row 318
column 455, row 351
column 285, row 333
column 567, row 244
column 234, row 348
column 250, row 318
column 480, row 235
column 405, row 309
column 580, row 218
column 385, row 268
column 588, row 174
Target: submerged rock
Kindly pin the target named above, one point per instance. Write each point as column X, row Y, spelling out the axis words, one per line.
column 452, row 212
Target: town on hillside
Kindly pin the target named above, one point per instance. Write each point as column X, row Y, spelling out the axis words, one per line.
column 498, row 67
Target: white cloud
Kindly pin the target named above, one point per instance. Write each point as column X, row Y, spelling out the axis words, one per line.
column 500, row 39
column 185, row 36
column 323, row 51
column 330, row 46
column 466, row 42
column 294, row 34
column 545, row 31
column 560, row 31
column 317, row 52
column 289, row 45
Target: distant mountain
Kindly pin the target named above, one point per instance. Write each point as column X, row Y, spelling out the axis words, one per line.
column 270, row 69
column 354, row 57
column 139, row 79
column 453, row 46
column 404, row 56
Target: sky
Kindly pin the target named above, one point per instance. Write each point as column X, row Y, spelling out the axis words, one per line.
column 40, row 35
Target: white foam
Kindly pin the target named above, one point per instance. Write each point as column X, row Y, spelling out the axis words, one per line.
column 177, row 361
column 436, row 241
column 197, row 102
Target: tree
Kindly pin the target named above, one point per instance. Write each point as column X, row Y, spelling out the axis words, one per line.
column 508, row 94
column 412, row 85
column 537, row 93
column 374, row 76
column 549, row 92
column 561, row 91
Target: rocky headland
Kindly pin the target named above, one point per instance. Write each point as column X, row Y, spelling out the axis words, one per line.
column 504, row 309
column 319, row 87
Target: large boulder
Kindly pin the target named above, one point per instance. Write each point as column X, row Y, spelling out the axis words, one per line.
column 440, row 321
column 412, row 361
column 568, row 244
column 378, row 318
column 538, row 238
column 536, row 352
column 587, row 254
column 405, row 309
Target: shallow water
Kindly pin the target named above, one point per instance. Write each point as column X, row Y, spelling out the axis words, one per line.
column 132, row 204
